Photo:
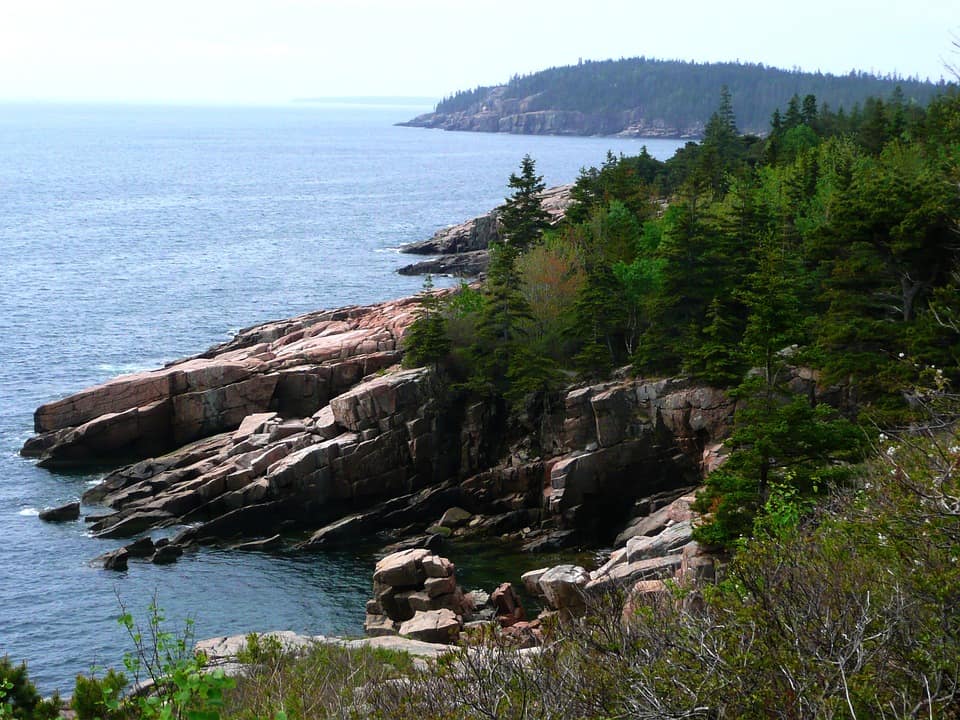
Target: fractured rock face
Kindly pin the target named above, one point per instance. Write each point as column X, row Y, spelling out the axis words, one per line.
column 271, row 471
column 416, row 594
column 476, row 234
column 293, row 367
column 563, row 587
column 402, row 569
column 304, row 423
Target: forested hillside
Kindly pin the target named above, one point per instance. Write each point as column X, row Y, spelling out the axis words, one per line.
column 814, row 274
column 659, row 96
column 830, row 247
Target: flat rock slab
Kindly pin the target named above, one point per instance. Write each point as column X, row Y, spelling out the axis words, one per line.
column 671, row 539
column 224, row 649
column 414, row 647
column 402, row 569
column 432, row 626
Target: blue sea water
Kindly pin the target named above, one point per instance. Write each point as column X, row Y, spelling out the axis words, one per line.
column 131, row 236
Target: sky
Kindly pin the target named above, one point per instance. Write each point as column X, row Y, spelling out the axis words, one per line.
column 273, row 51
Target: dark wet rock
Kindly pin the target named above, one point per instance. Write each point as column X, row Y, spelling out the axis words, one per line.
column 131, row 524
column 468, row 264
column 552, row 541
column 346, row 530
column 455, row 517
column 141, row 548
column 114, row 560
column 63, row 513
column 167, row 554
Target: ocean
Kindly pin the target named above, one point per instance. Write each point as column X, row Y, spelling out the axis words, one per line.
column 132, row 236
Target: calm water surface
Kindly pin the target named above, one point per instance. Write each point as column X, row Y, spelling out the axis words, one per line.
column 131, row 236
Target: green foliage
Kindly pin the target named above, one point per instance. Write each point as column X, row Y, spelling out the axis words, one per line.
column 683, row 93
column 319, row 680
column 784, row 508
column 95, row 697
column 260, row 650
column 828, row 250
column 426, row 341
column 180, row 686
column 778, row 441
column 522, row 217
column 19, row 698
column 465, row 301
column 502, row 325
column 531, row 373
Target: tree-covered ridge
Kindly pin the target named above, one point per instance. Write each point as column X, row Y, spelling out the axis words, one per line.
column 682, row 94
column 830, row 247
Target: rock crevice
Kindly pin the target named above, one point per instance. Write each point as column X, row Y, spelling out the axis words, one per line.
column 309, row 425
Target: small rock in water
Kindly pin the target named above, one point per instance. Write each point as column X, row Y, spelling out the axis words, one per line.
column 455, row 517
column 166, row 554
column 114, row 560
column 141, row 548
column 70, row 511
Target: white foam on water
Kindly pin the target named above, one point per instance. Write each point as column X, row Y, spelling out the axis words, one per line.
column 118, row 369
column 29, row 511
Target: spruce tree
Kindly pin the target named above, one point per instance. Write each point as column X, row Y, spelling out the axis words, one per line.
column 505, row 310
column 522, row 218
column 426, row 341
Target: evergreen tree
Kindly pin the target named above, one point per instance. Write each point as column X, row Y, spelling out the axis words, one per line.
column 808, row 111
column 778, row 439
column 716, row 359
column 505, row 312
column 522, row 218
column 599, row 317
column 721, row 150
column 794, row 116
column 426, row 341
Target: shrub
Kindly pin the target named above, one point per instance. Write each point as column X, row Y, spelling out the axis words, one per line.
column 177, row 682
column 322, row 680
column 19, row 698
column 95, row 697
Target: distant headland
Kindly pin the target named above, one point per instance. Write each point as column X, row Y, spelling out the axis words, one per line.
column 645, row 97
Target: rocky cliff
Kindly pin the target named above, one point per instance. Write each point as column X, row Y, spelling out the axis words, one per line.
column 462, row 249
column 494, row 112
column 309, row 425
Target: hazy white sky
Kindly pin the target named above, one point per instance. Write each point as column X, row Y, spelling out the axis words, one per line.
column 268, row 51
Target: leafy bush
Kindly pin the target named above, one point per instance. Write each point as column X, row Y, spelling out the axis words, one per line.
column 174, row 680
